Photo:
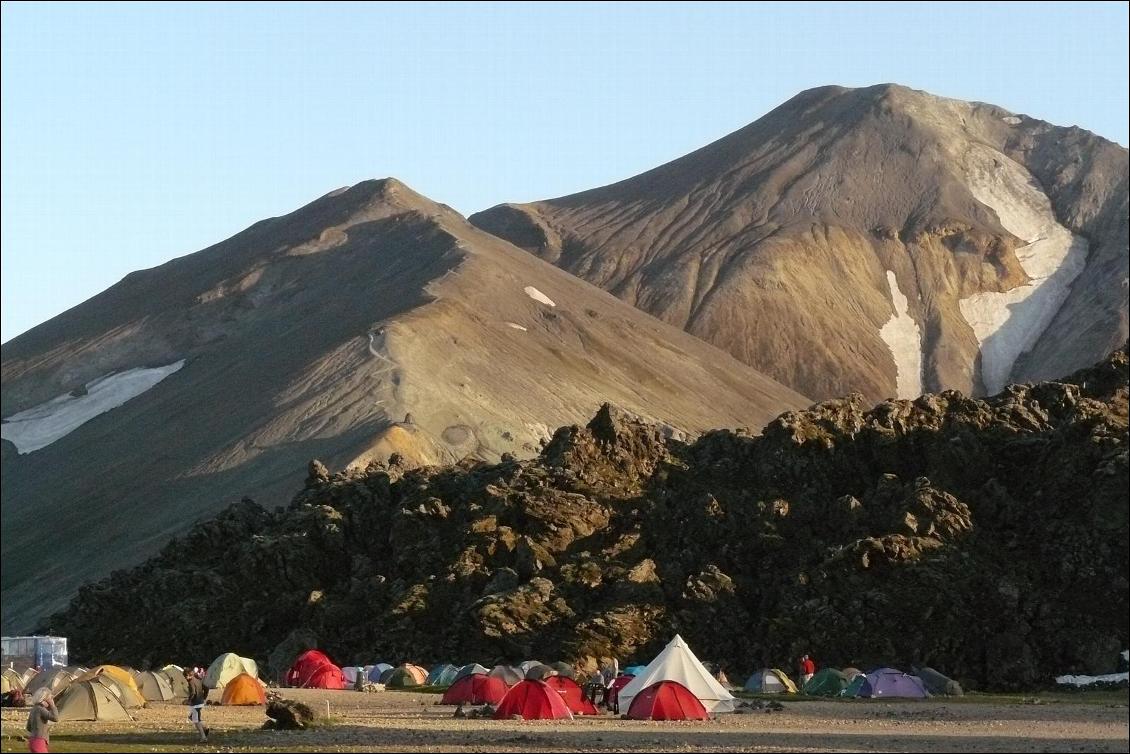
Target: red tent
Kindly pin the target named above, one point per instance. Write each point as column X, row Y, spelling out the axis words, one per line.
column 667, row 700
column 328, row 676
column 475, row 689
column 618, row 683
column 573, row 695
column 532, row 700
column 305, row 665
column 314, row 670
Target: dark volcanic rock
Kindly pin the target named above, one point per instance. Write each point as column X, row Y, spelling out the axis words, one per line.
column 986, row 538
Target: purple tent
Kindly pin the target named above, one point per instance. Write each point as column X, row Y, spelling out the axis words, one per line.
column 888, row 682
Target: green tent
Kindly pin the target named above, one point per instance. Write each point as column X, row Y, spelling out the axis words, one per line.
column 827, row 682
column 401, row 678
column 854, row 686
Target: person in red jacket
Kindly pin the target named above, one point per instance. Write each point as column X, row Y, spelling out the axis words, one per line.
column 807, row 669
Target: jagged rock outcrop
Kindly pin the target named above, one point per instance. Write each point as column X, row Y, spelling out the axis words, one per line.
column 984, row 537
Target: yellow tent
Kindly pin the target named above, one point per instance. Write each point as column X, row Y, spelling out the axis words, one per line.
column 226, row 667
column 121, row 675
column 129, row 698
column 11, row 681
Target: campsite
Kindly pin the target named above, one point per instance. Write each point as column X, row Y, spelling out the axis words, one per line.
column 674, row 701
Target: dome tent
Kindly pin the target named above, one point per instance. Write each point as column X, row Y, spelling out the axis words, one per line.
column 770, row 681
column 244, row 690
column 667, row 700
column 121, row 675
column 90, row 700
column 155, row 686
column 226, row 667
column 470, row 670
column 55, row 680
column 572, row 694
column 532, row 700
column 889, row 683
column 507, row 673
column 826, row 682
column 441, row 675
column 377, row 671
column 477, row 688
column 405, row 676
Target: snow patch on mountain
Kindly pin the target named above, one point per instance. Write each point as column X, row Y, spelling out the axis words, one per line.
column 903, row 336
column 1008, row 324
column 42, row 425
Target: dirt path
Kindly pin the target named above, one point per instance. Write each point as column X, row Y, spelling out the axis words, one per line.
column 394, row 721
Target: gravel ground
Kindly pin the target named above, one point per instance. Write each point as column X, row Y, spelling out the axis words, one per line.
column 398, row 721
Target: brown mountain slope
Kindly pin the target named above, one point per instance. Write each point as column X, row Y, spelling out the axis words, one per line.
column 881, row 239
column 367, row 323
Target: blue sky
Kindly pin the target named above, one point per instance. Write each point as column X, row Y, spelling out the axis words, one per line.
column 132, row 134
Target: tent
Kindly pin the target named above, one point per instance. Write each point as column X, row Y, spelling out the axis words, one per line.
column 441, row 675
column 888, row 682
column 572, row 694
column 226, row 667
column 618, row 683
column 851, row 673
column 11, row 681
column 677, row 663
column 938, row 684
column 129, row 698
column 90, row 700
column 55, row 680
column 155, row 686
column 634, row 669
column 325, row 677
column 854, row 687
column 467, row 670
column 244, row 690
column 524, row 666
column 350, row 673
column 770, row 681
column 476, row 688
column 377, row 671
column 825, row 682
column 27, row 675
column 306, row 665
column 532, row 700
column 176, row 681
column 564, row 669
column 405, row 676
column 667, row 700
column 539, row 672
column 508, row 674
column 121, row 675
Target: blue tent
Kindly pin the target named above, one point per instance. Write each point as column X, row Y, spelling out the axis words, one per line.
column 442, row 675
column 471, row 669
column 633, row 669
column 377, row 671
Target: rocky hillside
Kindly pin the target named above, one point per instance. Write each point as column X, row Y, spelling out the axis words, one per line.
column 880, row 240
column 987, row 538
column 371, row 321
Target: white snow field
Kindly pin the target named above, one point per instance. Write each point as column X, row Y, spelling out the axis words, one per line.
column 538, row 296
column 42, row 425
column 1008, row 324
column 903, row 336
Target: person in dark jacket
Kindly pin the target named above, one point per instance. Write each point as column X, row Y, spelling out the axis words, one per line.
column 39, row 719
column 197, row 698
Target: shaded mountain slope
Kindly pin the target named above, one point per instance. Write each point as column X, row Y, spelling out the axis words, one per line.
column 370, row 322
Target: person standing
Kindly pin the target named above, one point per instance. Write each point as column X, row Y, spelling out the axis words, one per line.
column 197, row 698
column 43, row 712
column 807, row 669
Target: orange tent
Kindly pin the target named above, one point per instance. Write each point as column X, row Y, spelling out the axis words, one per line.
column 242, row 690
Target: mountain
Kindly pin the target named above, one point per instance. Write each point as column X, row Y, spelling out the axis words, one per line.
column 935, row 531
column 369, row 323
column 881, row 239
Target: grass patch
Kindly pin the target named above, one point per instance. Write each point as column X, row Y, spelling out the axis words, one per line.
column 421, row 689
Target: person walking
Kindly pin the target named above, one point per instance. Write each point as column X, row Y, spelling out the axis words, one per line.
column 197, row 698
column 43, row 712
